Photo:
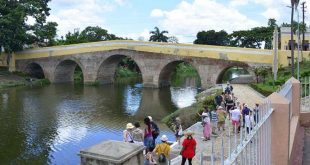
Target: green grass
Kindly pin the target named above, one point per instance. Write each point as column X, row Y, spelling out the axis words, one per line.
column 188, row 115
column 284, row 73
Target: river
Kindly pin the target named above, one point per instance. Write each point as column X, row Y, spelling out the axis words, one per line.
column 51, row 124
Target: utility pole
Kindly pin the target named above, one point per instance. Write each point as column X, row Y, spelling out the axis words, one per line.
column 304, row 30
column 303, row 20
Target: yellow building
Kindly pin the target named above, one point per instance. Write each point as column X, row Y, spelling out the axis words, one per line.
column 285, row 33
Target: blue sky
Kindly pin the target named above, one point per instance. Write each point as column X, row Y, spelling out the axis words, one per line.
column 182, row 18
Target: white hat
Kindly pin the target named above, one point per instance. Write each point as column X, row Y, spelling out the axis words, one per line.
column 130, row 126
column 164, row 138
column 150, row 117
column 220, row 107
column 246, row 105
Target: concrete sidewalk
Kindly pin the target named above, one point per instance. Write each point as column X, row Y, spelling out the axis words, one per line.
column 246, row 95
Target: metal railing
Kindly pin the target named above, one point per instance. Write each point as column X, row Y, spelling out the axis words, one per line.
column 252, row 147
column 305, row 93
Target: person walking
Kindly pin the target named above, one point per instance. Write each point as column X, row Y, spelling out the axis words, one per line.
column 249, row 122
column 127, row 133
column 188, row 150
column 178, row 130
column 206, row 126
column 163, row 150
column 137, row 134
column 221, row 113
column 155, row 129
column 148, row 137
column 214, row 120
column 235, row 116
column 245, row 112
column 256, row 112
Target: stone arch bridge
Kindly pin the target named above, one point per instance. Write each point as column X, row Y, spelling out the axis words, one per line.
column 156, row 61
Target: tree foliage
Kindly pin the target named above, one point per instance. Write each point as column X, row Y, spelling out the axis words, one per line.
column 158, row 36
column 15, row 33
column 89, row 34
column 212, row 37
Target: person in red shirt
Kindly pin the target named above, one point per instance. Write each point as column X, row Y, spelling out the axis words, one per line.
column 189, row 148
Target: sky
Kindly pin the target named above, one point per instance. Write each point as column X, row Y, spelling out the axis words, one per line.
column 181, row 18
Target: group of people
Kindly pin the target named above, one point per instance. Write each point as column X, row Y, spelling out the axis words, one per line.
column 147, row 137
column 227, row 106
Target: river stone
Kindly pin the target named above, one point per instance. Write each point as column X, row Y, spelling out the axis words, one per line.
column 112, row 152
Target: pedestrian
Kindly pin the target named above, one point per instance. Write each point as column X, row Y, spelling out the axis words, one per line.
column 256, row 112
column 137, row 134
column 206, row 126
column 189, row 148
column 214, row 120
column 228, row 89
column 249, row 122
column 155, row 129
column 163, row 150
column 127, row 133
column 178, row 130
column 235, row 116
column 245, row 111
column 221, row 113
column 148, row 137
column 218, row 99
column 149, row 159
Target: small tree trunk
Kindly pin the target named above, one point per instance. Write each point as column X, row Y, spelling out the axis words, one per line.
column 8, row 59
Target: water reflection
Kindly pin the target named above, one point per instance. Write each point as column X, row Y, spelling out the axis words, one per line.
column 50, row 125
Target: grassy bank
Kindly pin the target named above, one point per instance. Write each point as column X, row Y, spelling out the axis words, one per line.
column 284, row 73
column 8, row 80
column 188, row 115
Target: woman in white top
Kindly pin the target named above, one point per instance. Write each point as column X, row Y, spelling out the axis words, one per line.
column 127, row 133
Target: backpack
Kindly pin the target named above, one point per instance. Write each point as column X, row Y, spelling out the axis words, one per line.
column 161, row 157
column 155, row 130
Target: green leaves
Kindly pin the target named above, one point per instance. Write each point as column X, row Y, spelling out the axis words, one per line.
column 212, row 37
column 158, row 36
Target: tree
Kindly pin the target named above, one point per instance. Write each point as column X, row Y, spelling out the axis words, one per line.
column 45, row 34
column 173, row 39
column 256, row 72
column 15, row 33
column 294, row 3
column 212, row 37
column 158, row 36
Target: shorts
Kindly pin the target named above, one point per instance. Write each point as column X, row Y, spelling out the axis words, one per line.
column 235, row 123
column 214, row 124
column 221, row 123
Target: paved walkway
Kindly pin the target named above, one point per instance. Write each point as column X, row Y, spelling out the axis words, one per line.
column 306, row 156
column 245, row 94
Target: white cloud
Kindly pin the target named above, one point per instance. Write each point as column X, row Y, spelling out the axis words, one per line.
column 271, row 13
column 144, row 35
column 189, row 18
column 238, row 2
column 157, row 13
column 72, row 14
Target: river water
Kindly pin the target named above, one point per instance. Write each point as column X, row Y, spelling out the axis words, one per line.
column 51, row 124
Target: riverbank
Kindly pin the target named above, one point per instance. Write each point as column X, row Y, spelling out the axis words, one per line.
column 188, row 115
column 8, row 80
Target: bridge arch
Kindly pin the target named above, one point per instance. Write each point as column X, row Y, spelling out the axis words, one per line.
column 35, row 70
column 64, row 71
column 164, row 78
column 107, row 68
column 247, row 77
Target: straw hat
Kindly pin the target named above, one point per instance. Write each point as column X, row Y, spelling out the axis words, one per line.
column 188, row 133
column 164, row 138
column 130, row 126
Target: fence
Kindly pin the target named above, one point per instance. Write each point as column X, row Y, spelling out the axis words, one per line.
column 251, row 147
column 305, row 92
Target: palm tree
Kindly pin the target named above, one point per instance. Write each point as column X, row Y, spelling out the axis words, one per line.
column 294, row 3
column 158, row 36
